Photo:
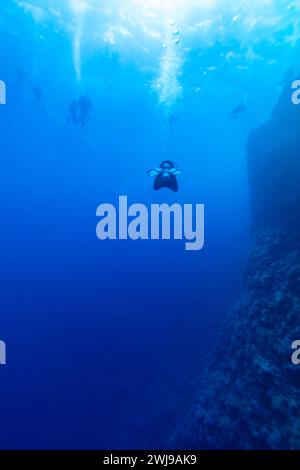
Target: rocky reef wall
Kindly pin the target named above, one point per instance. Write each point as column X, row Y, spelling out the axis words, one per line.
column 274, row 166
column 250, row 394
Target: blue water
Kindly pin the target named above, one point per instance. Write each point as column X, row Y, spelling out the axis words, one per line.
column 105, row 340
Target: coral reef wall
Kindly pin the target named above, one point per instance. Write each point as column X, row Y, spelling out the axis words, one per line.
column 250, row 393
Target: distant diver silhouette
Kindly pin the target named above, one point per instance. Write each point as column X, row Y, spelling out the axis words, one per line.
column 235, row 112
column 21, row 76
column 79, row 111
column 38, row 96
column 173, row 118
column 165, row 176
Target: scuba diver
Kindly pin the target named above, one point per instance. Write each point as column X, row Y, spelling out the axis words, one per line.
column 38, row 96
column 79, row 110
column 165, row 176
column 173, row 118
column 235, row 112
column 21, row 76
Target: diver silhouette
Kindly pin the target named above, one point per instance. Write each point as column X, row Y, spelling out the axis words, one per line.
column 235, row 112
column 21, row 76
column 79, row 111
column 38, row 96
column 165, row 176
column 173, row 118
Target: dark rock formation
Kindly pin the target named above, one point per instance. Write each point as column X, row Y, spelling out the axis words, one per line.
column 251, row 392
column 274, row 166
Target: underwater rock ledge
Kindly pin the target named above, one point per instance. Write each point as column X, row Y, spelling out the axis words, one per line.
column 274, row 166
column 251, row 391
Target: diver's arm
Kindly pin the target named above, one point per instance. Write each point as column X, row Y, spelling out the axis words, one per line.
column 154, row 172
column 175, row 172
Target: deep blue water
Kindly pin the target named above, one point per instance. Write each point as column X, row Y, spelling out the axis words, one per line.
column 105, row 340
